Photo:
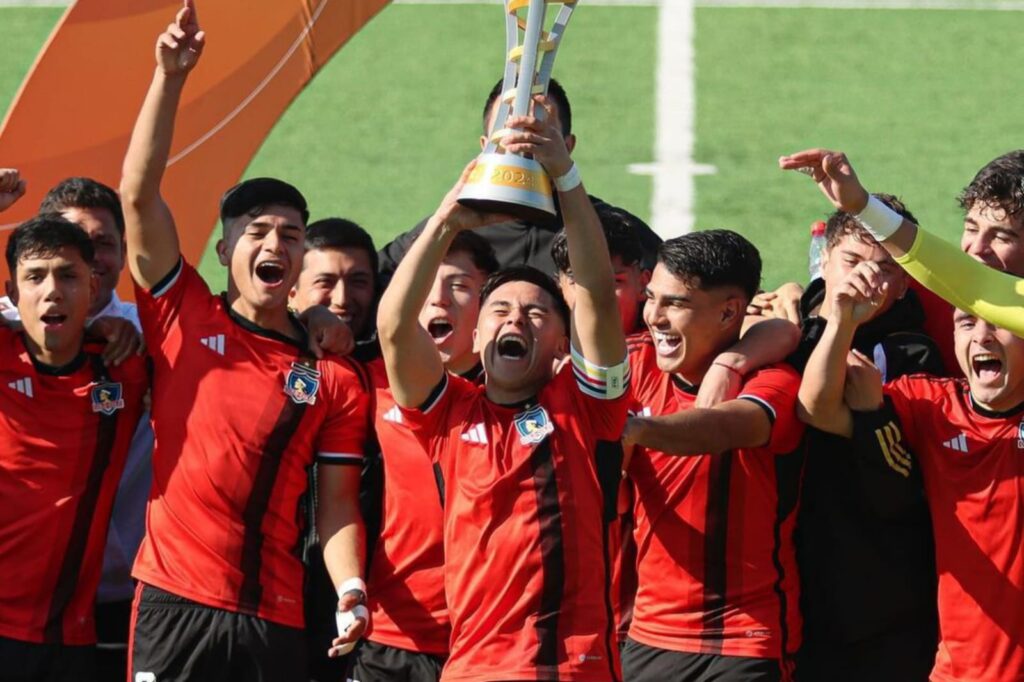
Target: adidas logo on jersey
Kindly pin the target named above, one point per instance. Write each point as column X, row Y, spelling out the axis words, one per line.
column 214, row 343
column 476, row 434
column 23, row 386
column 393, row 415
column 958, row 443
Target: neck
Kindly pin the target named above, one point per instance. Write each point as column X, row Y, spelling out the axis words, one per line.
column 100, row 304
column 462, row 364
column 1001, row 405
column 503, row 396
column 274, row 319
column 53, row 357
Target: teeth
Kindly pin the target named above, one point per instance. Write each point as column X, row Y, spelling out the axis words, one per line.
column 668, row 338
column 985, row 357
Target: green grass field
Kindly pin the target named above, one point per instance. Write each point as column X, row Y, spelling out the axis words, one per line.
column 920, row 100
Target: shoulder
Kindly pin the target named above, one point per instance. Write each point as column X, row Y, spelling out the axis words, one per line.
column 926, row 387
column 134, row 370
column 779, row 373
column 343, row 371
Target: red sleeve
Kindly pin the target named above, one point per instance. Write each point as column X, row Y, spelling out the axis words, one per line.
column 774, row 389
column 432, row 421
column 901, row 393
column 160, row 307
column 344, row 430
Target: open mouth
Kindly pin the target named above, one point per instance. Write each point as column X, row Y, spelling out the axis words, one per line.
column 439, row 328
column 986, row 366
column 53, row 319
column 512, row 347
column 270, row 272
column 666, row 344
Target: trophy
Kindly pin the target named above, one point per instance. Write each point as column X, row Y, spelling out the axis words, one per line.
column 503, row 182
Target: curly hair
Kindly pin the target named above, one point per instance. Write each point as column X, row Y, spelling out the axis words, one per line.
column 1000, row 184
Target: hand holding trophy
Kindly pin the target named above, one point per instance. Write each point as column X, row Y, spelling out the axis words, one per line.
column 503, row 181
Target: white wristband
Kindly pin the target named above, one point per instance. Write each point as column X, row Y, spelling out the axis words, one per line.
column 352, row 584
column 878, row 219
column 570, row 181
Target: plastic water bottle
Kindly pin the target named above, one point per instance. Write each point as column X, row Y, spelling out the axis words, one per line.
column 817, row 250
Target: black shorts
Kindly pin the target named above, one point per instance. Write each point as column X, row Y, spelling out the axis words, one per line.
column 177, row 640
column 31, row 662
column 642, row 663
column 372, row 662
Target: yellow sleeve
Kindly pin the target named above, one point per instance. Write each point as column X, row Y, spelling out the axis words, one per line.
column 970, row 285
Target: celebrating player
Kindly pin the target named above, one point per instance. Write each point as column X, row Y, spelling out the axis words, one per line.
column 965, row 436
column 240, row 408
column 716, row 488
column 862, row 620
column 524, row 510
column 66, row 422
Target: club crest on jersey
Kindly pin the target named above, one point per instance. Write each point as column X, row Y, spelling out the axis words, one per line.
column 106, row 398
column 533, row 425
column 302, row 383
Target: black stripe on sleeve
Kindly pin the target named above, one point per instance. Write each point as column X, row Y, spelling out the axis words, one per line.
column 716, row 532
column 251, row 592
column 67, row 578
column 550, row 646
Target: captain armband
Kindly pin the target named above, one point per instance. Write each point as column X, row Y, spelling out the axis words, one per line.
column 603, row 383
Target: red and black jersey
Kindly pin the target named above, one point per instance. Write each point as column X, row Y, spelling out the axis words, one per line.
column 64, row 436
column 406, row 579
column 526, row 579
column 238, row 414
column 972, row 463
column 714, row 532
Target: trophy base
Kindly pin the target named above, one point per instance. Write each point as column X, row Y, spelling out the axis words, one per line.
column 511, row 185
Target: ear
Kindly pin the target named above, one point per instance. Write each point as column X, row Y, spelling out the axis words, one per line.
column 570, row 142
column 476, row 337
column 12, row 291
column 645, row 279
column 222, row 253
column 732, row 311
column 563, row 345
column 483, row 142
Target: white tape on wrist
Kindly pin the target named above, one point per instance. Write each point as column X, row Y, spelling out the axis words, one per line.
column 878, row 219
column 569, row 181
column 351, row 584
column 345, row 619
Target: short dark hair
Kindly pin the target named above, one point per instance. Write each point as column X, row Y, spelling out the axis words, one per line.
column 526, row 273
column 44, row 236
column 841, row 223
column 555, row 91
column 1000, row 184
column 621, row 232
column 341, row 233
column 478, row 249
column 84, row 193
column 712, row 259
column 252, row 196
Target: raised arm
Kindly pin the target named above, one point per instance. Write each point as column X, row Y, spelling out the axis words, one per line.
column 413, row 363
column 597, row 331
column 965, row 283
column 821, row 399
column 764, row 341
column 150, row 233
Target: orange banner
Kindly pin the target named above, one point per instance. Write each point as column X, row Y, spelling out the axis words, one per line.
column 74, row 112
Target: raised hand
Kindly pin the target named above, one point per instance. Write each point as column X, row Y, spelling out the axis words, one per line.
column 457, row 217
column 179, row 47
column 858, row 296
column 540, row 138
column 834, row 175
column 12, row 187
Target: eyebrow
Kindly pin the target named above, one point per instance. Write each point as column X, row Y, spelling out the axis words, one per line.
column 264, row 224
column 671, row 299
